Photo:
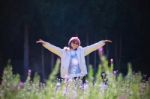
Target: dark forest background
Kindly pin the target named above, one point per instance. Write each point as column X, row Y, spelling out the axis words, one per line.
column 22, row 22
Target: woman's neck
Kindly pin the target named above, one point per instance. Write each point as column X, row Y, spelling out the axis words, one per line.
column 73, row 49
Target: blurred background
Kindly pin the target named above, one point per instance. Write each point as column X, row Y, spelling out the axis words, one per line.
column 22, row 22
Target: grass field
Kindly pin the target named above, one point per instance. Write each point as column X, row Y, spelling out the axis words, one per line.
column 112, row 86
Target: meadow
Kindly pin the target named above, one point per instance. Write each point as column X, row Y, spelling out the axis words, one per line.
column 107, row 84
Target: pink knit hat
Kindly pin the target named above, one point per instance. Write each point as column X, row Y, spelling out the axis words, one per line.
column 74, row 39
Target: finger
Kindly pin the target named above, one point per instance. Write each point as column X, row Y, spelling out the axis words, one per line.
column 108, row 41
column 39, row 41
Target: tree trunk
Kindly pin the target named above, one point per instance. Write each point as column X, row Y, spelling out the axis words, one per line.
column 42, row 63
column 26, row 51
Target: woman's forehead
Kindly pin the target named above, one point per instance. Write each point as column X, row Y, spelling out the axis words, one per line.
column 75, row 40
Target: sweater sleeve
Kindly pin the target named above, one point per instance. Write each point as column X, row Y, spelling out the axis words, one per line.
column 54, row 49
column 93, row 47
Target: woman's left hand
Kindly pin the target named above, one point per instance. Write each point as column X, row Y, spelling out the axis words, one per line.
column 107, row 41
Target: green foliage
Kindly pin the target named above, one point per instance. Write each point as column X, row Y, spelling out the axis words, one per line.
column 91, row 73
column 130, row 86
column 55, row 71
column 9, row 83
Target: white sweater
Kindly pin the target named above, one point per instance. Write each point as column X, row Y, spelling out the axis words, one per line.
column 65, row 56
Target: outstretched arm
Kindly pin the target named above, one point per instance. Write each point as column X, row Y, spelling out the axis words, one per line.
column 95, row 46
column 50, row 47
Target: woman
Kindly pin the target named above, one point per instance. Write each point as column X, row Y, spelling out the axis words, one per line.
column 73, row 57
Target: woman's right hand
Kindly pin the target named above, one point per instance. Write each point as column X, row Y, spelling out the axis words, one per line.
column 40, row 41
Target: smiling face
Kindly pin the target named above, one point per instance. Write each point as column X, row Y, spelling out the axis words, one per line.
column 74, row 44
